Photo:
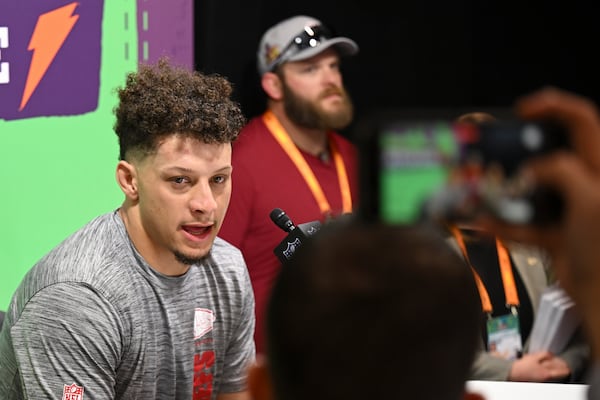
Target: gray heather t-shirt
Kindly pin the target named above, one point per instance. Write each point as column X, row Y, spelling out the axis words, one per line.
column 92, row 320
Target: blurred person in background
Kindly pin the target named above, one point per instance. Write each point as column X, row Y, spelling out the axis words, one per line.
column 292, row 156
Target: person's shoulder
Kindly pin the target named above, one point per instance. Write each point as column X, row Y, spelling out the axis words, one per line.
column 223, row 250
column 254, row 127
column 99, row 234
column 252, row 136
column 229, row 261
column 97, row 225
column 88, row 261
column 96, row 249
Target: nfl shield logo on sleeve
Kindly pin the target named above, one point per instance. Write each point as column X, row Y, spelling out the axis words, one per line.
column 72, row 392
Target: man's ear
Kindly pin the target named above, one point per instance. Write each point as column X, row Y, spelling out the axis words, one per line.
column 259, row 381
column 127, row 179
column 271, row 84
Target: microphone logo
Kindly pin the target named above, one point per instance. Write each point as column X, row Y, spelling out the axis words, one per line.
column 312, row 229
column 291, row 248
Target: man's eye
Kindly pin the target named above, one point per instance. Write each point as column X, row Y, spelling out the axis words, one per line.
column 180, row 180
column 219, row 179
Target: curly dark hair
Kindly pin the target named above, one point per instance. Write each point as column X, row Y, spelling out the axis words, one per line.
column 162, row 99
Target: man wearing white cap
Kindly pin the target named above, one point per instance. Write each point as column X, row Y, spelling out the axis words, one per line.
column 292, row 156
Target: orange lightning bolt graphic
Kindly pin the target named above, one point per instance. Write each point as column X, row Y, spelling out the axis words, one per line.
column 50, row 33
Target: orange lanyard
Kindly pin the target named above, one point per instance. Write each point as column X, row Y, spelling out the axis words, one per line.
column 294, row 154
column 508, row 280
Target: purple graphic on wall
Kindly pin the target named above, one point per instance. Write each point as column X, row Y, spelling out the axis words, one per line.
column 166, row 28
column 50, row 53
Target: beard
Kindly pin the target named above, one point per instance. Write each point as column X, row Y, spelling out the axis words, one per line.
column 188, row 260
column 311, row 115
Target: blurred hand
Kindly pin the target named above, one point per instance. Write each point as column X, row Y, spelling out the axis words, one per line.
column 541, row 366
column 574, row 242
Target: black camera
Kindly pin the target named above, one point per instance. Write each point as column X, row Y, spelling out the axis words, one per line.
column 412, row 170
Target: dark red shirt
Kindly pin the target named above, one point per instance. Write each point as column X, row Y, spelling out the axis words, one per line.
column 264, row 178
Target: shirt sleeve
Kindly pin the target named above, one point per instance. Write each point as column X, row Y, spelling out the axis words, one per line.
column 67, row 335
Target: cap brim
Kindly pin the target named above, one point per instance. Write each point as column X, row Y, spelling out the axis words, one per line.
column 345, row 47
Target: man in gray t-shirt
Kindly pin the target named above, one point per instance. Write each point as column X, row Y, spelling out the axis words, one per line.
column 144, row 302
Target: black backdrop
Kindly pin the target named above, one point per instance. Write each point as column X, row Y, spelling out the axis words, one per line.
column 418, row 53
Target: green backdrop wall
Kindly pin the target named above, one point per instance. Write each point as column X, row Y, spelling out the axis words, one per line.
column 58, row 151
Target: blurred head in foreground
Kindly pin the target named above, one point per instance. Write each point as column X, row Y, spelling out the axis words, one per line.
column 367, row 311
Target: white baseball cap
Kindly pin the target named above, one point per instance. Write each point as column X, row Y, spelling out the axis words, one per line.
column 298, row 38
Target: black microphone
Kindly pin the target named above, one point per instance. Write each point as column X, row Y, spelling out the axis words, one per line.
column 297, row 234
column 282, row 220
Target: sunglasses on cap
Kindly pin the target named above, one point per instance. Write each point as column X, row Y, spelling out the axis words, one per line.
column 310, row 37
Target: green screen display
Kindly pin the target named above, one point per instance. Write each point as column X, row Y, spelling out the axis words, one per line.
column 414, row 165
